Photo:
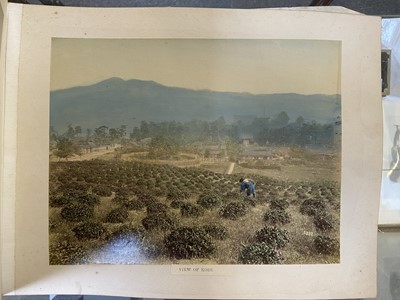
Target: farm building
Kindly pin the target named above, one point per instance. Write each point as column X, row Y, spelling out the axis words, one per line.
column 262, row 154
column 246, row 139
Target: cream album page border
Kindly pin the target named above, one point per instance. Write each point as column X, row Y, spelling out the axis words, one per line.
column 355, row 276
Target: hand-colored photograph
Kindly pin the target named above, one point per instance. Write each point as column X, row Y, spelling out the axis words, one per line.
column 194, row 151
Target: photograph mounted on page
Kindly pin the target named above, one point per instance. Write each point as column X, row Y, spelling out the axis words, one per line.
column 194, row 151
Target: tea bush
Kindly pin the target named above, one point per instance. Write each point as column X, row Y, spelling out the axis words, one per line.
column 72, row 192
column 160, row 221
column 175, row 194
column 147, row 198
column 273, row 193
column 118, row 215
column 277, row 216
column 191, row 210
column 156, row 207
column 233, row 210
column 187, row 242
column 102, row 190
column 77, row 212
column 134, row 204
column 158, row 191
column 324, row 222
column 233, row 196
column 88, row 199
column 326, row 245
column 277, row 203
column 216, row 231
column 177, row 203
column 120, row 198
column 89, row 230
column 312, row 207
column 128, row 230
column 209, row 200
column 260, row 253
column 250, row 201
column 273, row 236
column 59, row 201
column 76, row 185
column 65, row 253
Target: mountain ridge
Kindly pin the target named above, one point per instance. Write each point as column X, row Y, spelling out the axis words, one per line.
column 115, row 101
column 120, row 80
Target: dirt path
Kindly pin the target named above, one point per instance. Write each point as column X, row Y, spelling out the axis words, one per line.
column 230, row 169
column 92, row 155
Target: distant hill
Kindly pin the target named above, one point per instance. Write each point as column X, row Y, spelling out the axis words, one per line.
column 116, row 102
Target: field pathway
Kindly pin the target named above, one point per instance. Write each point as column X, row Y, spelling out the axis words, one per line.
column 97, row 152
column 230, row 169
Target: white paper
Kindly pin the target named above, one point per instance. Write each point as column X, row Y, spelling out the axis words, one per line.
column 3, row 6
column 355, row 276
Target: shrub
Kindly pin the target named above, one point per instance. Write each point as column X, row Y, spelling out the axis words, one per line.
column 277, row 216
column 77, row 212
column 209, row 200
column 102, row 190
column 89, row 199
column 134, row 204
column 301, row 195
column 191, row 210
column 156, row 207
column 59, row 201
column 89, row 230
column 125, row 230
column 65, row 253
column 324, row 221
column 275, row 237
column 312, row 207
column 216, row 231
column 187, row 242
column 273, row 193
column 120, row 198
column 177, row 203
column 233, row 210
column 157, row 191
column 233, row 195
column 159, row 221
column 176, row 194
column 250, row 201
column 326, row 245
column 145, row 197
column 118, row 215
column 71, row 192
column 277, row 203
column 260, row 253
column 76, row 184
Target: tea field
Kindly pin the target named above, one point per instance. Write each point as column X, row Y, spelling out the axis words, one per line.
column 115, row 211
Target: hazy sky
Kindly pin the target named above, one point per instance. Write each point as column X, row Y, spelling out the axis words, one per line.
column 254, row 66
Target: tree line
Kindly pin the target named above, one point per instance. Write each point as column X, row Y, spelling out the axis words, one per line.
column 170, row 135
column 277, row 130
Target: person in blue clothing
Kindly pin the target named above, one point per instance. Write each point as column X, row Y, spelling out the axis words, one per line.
column 248, row 185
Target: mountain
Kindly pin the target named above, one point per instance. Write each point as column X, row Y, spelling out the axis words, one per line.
column 114, row 102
